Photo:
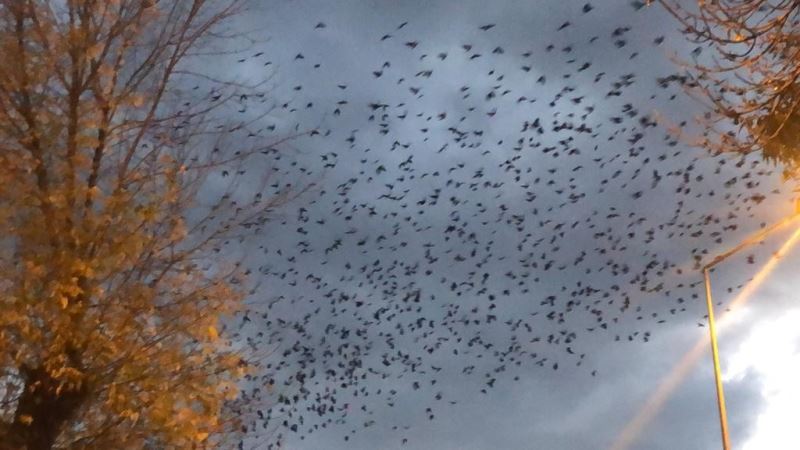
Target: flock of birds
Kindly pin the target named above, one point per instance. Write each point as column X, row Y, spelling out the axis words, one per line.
column 483, row 230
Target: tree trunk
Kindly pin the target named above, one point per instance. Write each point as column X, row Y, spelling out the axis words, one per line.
column 41, row 412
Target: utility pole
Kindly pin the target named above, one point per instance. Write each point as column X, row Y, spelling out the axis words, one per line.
column 723, row 412
column 755, row 238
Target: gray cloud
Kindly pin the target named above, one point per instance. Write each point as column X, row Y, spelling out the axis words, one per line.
column 566, row 408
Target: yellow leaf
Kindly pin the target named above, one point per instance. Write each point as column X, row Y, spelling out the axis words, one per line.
column 133, row 415
column 94, row 191
column 26, row 419
column 95, row 50
column 64, row 301
column 201, row 436
column 212, row 331
column 137, row 100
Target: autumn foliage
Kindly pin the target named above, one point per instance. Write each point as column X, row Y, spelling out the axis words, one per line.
column 747, row 71
column 112, row 288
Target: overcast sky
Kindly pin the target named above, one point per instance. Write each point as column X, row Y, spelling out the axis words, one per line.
column 604, row 200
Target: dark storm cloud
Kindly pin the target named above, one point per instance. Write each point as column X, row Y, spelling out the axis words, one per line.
column 315, row 246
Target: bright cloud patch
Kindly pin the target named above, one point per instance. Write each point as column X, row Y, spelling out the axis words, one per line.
column 772, row 351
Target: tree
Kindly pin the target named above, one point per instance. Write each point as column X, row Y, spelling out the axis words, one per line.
column 751, row 79
column 113, row 288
